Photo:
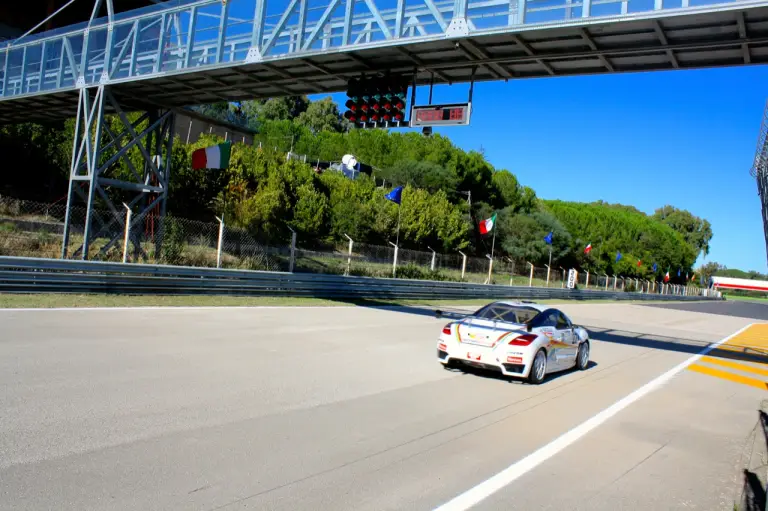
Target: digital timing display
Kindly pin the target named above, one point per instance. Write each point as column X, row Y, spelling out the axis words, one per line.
column 440, row 115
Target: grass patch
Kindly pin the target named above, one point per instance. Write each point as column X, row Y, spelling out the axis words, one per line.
column 746, row 298
column 55, row 300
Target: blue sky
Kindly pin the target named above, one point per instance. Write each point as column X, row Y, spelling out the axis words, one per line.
column 685, row 138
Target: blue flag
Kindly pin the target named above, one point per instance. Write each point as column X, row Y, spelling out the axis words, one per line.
column 618, row 256
column 678, row 272
column 395, row 195
column 548, row 238
column 654, row 267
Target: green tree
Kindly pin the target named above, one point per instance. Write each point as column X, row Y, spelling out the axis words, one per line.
column 696, row 231
column 523, row 236
column 711, row 268
column 422, row 174
column 283, row 108
column 322, row 115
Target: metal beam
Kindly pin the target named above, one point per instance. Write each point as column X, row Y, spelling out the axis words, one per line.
column 416, row 60
column 593, row 46
column 663, row 38
column 743, row 35
column 614, row 52
column 529, row 51
column 288, row 76
column 474, row 52
column 259, row 80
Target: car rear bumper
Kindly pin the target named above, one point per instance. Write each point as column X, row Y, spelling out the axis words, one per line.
column 509, row 364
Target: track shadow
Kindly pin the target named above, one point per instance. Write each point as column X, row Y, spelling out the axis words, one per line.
column 419, row 310
column 494, row 375
column 643, row 340
column 679, row 345
column 753, row 493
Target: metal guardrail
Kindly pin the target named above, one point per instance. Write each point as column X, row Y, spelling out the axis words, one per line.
column 35, row 275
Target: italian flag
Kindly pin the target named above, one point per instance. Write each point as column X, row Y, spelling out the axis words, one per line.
column 486, row 226
column 214, row 157
column 588, row 248
column 666, row 277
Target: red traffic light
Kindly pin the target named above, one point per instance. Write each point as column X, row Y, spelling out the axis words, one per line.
column 363, row 118
column 350, row 116
column 398, row 116
column 352, row 105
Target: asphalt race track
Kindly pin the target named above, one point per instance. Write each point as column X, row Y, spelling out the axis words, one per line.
column 348, row 409
column 754, row 310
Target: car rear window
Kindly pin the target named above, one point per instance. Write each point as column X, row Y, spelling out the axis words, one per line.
column 509, row 313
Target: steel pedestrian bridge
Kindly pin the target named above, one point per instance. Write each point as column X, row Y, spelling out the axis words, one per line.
column 184, row 52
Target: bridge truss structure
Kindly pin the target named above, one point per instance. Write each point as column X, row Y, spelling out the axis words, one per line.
column 186, row 52
column 759, row 171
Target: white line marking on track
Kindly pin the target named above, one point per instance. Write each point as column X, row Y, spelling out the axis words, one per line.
column 490, row 486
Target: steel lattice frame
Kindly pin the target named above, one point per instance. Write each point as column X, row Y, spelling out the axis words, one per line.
column 91, row 163
column 759, row 171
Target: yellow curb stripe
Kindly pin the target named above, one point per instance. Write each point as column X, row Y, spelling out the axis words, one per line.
column 736, row 378
column 756, row 336
column 735, row 365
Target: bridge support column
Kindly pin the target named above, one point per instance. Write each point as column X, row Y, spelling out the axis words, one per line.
column 121, row 158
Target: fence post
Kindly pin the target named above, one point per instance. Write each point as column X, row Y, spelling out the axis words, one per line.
column 293, row 250
column 463, row 263
column 547, row 274
column 530, row 279
column 586, row 285
column 127, row 231
column 490, row 268
column 221, row 239
column 512, row 273
column 607, row 279
column 562, row 282
column 432, row 265
column 349, row 255
column 394, row 260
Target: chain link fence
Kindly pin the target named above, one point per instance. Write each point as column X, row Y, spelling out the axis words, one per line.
column 32, row 229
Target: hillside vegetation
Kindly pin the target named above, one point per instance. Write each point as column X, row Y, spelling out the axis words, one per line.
column 266, row 194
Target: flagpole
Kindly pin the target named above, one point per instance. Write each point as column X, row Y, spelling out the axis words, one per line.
column 493, row 242
column 399, row 211
column 493, row 245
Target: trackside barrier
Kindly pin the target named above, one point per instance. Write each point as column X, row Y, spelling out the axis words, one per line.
column 35, row 275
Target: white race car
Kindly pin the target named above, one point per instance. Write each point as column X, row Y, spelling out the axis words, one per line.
column 520, row 339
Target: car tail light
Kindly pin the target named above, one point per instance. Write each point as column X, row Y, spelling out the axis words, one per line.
column 522, row 340
column 442, row 347
column 447, row 329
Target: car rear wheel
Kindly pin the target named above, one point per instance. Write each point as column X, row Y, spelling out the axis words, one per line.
column 582, row 357
column 538, row 368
